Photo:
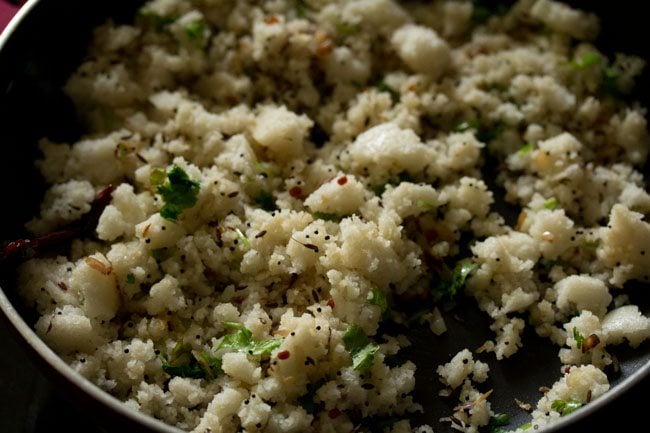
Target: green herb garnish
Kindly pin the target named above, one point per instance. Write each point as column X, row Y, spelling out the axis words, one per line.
column 578, row 337
column 195, row 31
column 186, row 362
column 159, row 254
column 565, row 407
column 590, row 245
column 361, row 348
column 243, row 239
column 377, row 297
column 585, row 61
column 266, row 201
column 449, row 287
column 242, row 341
column 307, row 400
column 551, row 203
column 426, row 204
column 497, row 421
column 179, row 193
column 383, row 87
column 130, row 278
column 525, row 149
column 158, row 22
column 482, row 132
column 157, row 177
column 327, row 216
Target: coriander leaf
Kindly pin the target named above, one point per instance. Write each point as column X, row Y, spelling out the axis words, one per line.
column 344, row 29
column 482, row 10
column 360, row 347
column 326, row 216
column 451, row 286
column 467, row 125
column 307, row 400
column 426, row 204
column 301, row 8
column 195, row 31
column 158, row 22
column 526, row 426
column 362, row 360
column 264, row 168
column 179, row 193
column 266, row 201
column 159, row 254
column 590, row 246
column 565, row 407
column 383, row 87
column 377, row 297
column 130, row 278
column 525, row 149
column 186, row 362
column 243, row 239
column 191, row 371
column 242, row 341
column 483, row 133
column 589, row 59
column 354, row 338
column 551, row 203
column 210, row 364
column 497, row 421
column 578, row 337
column 157, row 177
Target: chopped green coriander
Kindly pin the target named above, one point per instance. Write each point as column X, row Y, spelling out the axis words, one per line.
column 526, row 426
column 467, row 125
column 158, row 22
column 345, row 30
column 610, row 80
column 497, row 421
column 195, row 31
column 307, row 400
column 266, row 201
column 130, row 278
column 565, row 407
column 242, row 341
column 526, row 149
column 243, row 239
column 483, row 10
column 362, row 360
column 179, row 193
column 589, row 59
column 184, row 370
column 326, row 216
column 377, row 297
column 301, row 8
column 264, row 168
column 157, row 177
column 382, row 86
column 590, row 245
column 449, row 287
column 426, row 204
column 186, row 362
column 361, row 348
column 159, row 254
column 551, row 203
column 578, row 337
column 482, row 132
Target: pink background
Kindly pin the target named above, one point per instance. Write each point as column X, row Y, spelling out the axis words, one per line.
column 7, row 10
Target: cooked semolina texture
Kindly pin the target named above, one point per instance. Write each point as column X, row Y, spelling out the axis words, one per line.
column 289, row 176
